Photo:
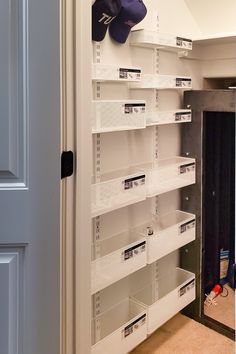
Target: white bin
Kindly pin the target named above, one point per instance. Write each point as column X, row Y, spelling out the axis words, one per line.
column 146, row 38
column 169, row 117
column 169, row 174
column 120, row 329
column 116, row 190
column 116, row 258
column 111, row 116
column 102, row 72
column 163, row 82
column 168, row 233
column 167, row 297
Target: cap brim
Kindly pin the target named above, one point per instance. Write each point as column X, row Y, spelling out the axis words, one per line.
column 119, row 31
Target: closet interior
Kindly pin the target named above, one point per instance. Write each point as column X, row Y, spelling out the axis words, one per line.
column 162, row 193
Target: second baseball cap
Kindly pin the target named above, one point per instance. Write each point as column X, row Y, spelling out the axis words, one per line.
column 132, row 12
column 103, row 13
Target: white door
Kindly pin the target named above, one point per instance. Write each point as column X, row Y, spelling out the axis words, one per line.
column 29, row 177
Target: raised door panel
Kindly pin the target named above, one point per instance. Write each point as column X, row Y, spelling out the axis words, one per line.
column 13, row 95
column 9, row 303
column 29, row 177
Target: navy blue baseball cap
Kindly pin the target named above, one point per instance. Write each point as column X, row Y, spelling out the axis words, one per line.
column 103, row 13
column 132, row 12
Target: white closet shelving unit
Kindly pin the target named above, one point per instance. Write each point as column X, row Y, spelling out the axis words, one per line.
column 166, row 42
column 120, row 255
column 168, row 117
column 122, row 188
column 220, row 38
column 120, row 115
column 173, row 292
column 124, row 253
column 109, row 116
column 115, row 73
column 169, row 174
column 163, row 82
column 138, row 224
column 118, row 189
column 167, row 233
column 123, row 327
column 125, row 315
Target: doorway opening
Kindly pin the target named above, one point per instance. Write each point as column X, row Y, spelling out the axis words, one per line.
column 219, row 217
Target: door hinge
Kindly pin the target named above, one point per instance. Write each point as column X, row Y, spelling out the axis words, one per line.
column 67, row 164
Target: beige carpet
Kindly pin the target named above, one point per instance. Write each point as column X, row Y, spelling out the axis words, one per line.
column 224, row 310
column 182, row 335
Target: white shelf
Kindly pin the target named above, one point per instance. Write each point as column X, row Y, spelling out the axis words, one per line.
column 122, row 188
column 116, row 258
column 109, row 116
column 118, row 189
column 169, row 117
column 167, row 297
column 167, row 233
column 115, row 73
column 163, row 82
column 120, row 329
column 162, row 41
column 216, row 39
column 169, row 174
column 121, row 115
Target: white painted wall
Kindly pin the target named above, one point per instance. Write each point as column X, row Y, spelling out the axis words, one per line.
column 174, row 17
column 191, row 18
column 213, row 16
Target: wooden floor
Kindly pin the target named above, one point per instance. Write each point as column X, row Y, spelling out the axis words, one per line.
column 182, row 335
column 223, row 311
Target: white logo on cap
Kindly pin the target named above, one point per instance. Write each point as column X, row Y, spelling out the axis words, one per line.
column 106, row 19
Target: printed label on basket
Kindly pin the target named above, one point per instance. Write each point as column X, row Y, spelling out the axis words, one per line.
column 183, row 82
column 184, row 43
column 186, row 288
column 134, row 108
column 134, row 251
column 183, row 117
column 187, row 168
column 134, row 326
column 134, row 182
column 129, row 74
column 187, row 226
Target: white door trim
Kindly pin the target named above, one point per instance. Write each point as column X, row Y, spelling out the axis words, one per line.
column 68, row 184
column 76, row 97
column 83, row 99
